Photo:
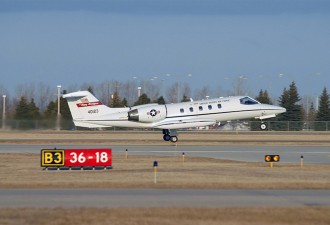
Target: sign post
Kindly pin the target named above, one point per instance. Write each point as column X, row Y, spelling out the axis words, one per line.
column 271, row 159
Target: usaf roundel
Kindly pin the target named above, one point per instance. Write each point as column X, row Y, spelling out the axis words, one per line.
column 153, row 112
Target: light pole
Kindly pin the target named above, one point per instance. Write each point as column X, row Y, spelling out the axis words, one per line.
column 3, row 111
column 58, row 107
column 139, row 92
column 58, row 100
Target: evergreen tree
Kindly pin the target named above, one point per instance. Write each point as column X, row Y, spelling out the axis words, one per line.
column 22, row 109
column 263, row 97
column 143, row 99
column 294, row 112
column 160, row 100
column 51, row 111
column 124, row 102
column 90, row 89
column 27, row 113
column 185, row 99
column 116, row 101
column 33, row 110
column 323, row 113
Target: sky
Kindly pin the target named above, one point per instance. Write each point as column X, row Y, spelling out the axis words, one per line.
column 267, row 43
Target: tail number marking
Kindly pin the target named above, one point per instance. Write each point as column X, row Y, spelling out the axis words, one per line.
column 92, row 111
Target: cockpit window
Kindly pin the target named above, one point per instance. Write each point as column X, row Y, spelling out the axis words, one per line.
column 248, row 101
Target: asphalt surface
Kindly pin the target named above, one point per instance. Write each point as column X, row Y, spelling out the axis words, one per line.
column 114, row 198
column 288, row 154
column 175, row 198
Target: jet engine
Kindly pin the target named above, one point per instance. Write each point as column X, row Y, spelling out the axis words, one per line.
column 149, row 114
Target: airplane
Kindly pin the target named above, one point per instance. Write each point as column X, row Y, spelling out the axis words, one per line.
column 88, row 111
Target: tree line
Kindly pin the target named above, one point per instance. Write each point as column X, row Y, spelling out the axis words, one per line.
column 116, row 94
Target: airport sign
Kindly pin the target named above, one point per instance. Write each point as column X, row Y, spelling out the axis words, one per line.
column 76, row 157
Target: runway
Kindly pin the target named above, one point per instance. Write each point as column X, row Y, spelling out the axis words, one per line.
column 289, row 154
column 115, row 198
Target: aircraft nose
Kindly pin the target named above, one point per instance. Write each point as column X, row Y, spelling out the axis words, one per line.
column 280, row 109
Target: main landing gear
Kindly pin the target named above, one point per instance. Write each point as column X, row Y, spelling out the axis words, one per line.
column 263, row 126
column 170, row 135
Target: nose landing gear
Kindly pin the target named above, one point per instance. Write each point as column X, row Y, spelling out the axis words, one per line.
column 263, row 126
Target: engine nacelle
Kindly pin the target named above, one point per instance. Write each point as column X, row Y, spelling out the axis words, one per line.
column 148, row 114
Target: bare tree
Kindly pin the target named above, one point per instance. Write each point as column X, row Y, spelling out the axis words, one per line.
column 43, row 96
column 203, row 92
column 186, row 90
column 86, row 86
column 172, row 93
column 26, row 90
column 129, row 91
column 103, row 92
column 240, row 86
column 219, row 92
column 72, row 88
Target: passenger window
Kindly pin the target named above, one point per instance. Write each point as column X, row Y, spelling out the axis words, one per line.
column 201, row 108
column 219, row 106
column 181, row 110
column 191, row 109
column 209, row 107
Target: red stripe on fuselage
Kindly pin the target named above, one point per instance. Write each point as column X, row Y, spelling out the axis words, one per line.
column 89, row 104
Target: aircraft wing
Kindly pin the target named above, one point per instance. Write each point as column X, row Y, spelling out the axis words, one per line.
column 178, row 123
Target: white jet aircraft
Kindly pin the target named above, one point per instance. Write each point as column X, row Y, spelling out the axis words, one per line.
column 88, row 111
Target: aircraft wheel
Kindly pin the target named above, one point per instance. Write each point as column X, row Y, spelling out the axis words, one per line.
column 174, row 138
column 167, row 137
column 263, row 126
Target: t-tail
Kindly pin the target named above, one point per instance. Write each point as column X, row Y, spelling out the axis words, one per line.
column 86, row 107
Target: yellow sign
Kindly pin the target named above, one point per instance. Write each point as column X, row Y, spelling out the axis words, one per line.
column 52, row 157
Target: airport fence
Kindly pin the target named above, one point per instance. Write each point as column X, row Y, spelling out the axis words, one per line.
column 226, row 126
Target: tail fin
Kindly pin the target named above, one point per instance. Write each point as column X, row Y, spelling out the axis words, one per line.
column 84, row 106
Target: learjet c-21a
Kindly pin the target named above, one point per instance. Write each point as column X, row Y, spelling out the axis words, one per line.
column 88, row 111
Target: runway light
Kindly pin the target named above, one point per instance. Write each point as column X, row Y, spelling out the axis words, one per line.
column 272, row 158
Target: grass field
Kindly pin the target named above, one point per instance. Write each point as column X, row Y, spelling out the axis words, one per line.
column 166, row 216
column 24, row 171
